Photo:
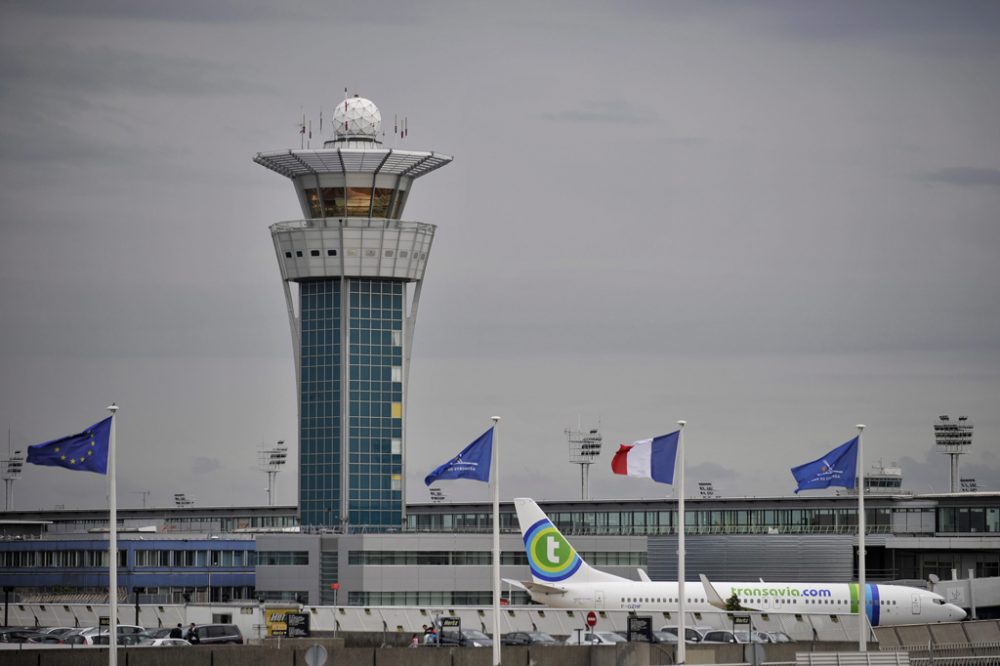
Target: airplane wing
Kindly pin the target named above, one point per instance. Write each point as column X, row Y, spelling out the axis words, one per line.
column 711, row 593
column 643, row 576
column 530, row 586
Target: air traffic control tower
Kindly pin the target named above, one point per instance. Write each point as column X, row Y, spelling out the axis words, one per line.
column 358, row 267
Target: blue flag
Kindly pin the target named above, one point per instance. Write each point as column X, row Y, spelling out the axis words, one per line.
column 837, row 468
column 473, row 462
column 87, row 450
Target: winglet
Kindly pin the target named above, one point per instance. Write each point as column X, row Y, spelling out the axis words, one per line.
column 515, row 583
column 643, row 576
column 714, row 598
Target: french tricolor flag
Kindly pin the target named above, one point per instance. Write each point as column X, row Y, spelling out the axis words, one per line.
column 648, row 458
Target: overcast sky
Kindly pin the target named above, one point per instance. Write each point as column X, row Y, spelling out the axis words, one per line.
column 775, row 220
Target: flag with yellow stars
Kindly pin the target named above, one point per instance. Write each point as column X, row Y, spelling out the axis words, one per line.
column 87, row 450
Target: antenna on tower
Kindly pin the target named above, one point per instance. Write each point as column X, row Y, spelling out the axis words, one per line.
column 144, row 493
column 584, row 447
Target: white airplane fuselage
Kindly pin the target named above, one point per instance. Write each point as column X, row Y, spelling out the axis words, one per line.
column 886, row 604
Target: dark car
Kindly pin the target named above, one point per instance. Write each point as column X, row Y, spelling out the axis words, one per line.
column 468, row 638
column 18, row 635
column 528, row 638
column 161, row 632
column 213, row 634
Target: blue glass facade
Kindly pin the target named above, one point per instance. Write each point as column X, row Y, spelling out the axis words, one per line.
column 320, row 396
column 372, row 405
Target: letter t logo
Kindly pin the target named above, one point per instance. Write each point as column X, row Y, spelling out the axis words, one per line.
column 550, row 552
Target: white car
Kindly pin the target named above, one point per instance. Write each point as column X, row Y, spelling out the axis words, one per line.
column 163, row 642
column 595, row 638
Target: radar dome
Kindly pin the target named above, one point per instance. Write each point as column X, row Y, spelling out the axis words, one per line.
column 357, row 118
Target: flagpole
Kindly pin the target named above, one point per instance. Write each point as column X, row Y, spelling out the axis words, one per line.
column 495, row 468
column 112, row 544
column 681, row 629
column 862, row 587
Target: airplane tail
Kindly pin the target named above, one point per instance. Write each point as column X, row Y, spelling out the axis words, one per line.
column 551, row 557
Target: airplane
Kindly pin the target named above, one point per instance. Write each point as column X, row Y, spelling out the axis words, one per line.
column 562, row 579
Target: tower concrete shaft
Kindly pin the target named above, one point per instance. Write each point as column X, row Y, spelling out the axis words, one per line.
column 358, row 269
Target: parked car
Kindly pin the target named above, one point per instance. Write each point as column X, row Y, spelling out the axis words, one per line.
column 160, row 632
column 122, row 629
column 780, row 637
column 594, row 638
column 726, row 636
column 467, row 638
column 528, row 638
column 691, row 634
column 18, row 635
column 212, row 634
column 57, row 631
column 127, row 635
column 164, row 642
column 123, row 639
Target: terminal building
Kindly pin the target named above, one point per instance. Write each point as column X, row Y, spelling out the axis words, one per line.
column 443, row 555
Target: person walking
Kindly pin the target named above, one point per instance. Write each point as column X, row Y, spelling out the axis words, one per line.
column 178, row 631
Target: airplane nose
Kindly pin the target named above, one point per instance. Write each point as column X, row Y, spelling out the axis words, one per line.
column 957, row 613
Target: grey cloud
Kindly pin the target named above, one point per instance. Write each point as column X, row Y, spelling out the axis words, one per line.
column 202, row 465
column 223, row 11
column 965, row 177
column 933, row 471
column 101, row 70
column 604, row 112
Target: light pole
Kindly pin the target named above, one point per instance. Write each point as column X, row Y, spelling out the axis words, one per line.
column 271, row 462
column 953, row 438
column 11, row 467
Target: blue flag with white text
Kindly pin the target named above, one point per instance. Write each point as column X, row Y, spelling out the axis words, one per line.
column 87, row 451
column 473, row 462
column 837, row 468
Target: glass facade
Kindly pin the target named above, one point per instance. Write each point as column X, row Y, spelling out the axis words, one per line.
column 372, row 403
column 360, row 202
column 319, row 409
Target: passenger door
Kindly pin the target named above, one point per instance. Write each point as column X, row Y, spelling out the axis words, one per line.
column 915, row 604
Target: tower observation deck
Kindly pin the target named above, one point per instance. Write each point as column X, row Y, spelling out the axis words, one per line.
column 358, row 268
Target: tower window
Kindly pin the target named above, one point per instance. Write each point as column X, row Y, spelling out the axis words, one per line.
column 288, row 255
column 331, row 253
column 298, row 253
column 314, row 253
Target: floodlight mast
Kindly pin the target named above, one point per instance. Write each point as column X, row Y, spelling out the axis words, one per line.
column 271, row 462
column 953, row 438
column 12, row 467
column 584, row 447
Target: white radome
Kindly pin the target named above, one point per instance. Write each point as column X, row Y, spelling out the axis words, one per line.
column 357, row 117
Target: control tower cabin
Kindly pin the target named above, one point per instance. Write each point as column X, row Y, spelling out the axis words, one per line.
column 353, row 259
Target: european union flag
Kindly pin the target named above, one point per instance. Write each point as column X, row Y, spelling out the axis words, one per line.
column 87, row 450
column 473, row 462
column 837, row 468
